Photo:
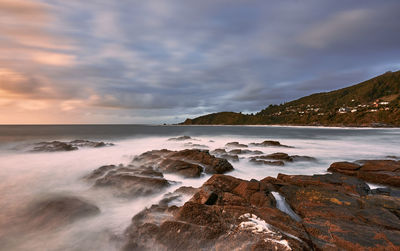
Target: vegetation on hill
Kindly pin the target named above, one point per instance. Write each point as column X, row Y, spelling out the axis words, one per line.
column 375, row 102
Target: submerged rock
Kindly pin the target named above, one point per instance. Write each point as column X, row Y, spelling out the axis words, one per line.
column 385, row 172
column 230, row 157
column 181, row 138
column 244, row 151
column 190, row 144
column 56, row 146
column 218, row 151
column 266, row 143
column 58, row 210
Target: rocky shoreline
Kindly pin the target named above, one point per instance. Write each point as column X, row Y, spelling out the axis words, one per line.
column 333, row 211
column 290, row 212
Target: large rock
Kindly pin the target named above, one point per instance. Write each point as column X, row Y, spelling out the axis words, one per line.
column 129, row 181
column 57, row 146
column 331, row 212
column 144, row 175
column 226, row 213
column 338, row 212
column 197, row 161
column 385, row 172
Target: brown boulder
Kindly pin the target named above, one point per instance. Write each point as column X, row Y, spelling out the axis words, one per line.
column 180, row 167
column 376, row 171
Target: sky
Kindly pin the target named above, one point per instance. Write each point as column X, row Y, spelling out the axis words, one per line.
column 157, row 61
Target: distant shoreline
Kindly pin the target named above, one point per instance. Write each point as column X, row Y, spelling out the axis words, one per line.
column 301, row 126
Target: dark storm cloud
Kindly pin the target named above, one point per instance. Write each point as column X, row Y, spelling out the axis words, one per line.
column 169, row 59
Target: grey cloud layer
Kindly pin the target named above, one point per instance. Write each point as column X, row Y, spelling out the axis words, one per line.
column 182, row 58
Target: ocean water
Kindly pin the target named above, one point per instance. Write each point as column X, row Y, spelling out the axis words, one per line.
column 27, row 177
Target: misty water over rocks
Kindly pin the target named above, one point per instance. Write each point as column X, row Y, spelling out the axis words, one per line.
column 29, row 178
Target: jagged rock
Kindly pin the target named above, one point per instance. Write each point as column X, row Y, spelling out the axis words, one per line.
column 216, row 217
column 56, row 146
column 270, row 143
column 377, row 171
column 235, row 144
column 335, row 212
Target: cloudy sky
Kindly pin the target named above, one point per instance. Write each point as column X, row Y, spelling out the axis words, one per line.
column 156, row 61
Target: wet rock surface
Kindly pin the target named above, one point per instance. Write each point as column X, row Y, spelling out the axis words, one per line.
column 334, row 212
column 145, row 174
column 267, row 143
column 279, row 159
column 166, row 161
column 129, row 181
column 57, row 146
column 226, row 213
column 385, row 172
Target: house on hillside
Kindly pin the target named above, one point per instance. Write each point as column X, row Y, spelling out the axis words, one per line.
column 343, row 110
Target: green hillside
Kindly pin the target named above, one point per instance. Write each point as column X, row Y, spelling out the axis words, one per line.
column 375, row 102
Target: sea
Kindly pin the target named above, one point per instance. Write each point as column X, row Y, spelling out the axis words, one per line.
column 26, row 177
